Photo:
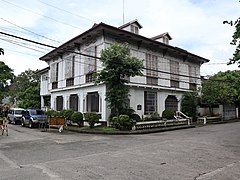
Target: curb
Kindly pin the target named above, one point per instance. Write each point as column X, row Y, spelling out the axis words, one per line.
column 136, row 132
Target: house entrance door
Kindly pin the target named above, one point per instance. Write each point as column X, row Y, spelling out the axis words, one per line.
column 171, row 103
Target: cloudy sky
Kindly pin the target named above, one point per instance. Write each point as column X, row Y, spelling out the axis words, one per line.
column 195, row 25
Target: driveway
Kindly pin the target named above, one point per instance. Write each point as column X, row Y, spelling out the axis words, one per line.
column 209, row 152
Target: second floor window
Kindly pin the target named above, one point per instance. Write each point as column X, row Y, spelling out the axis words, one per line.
column 69, row 67
column 90, row 63
column 151, row 65
column 69, row 82
column 174, row 73
column 54, row 72
column 152, row 80
column 54, row 75
column 54, row 85
column 192, row 74
column 90, row 77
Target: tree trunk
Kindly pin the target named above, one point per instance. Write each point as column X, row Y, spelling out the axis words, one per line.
column 211, row 110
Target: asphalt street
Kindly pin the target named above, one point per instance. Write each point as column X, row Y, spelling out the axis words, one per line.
column 203, row 153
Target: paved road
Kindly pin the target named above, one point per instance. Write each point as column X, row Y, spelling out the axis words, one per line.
column 204, row 153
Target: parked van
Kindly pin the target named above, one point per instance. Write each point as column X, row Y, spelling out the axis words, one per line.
column 15, row 115
column 32, row 117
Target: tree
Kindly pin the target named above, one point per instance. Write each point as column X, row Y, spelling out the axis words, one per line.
column 235, row 41
column 223, row 87
column 26, row 89
column 30, row 97
column 6, row 76
column 189, row 104
column 118, row 67
column 1, row 51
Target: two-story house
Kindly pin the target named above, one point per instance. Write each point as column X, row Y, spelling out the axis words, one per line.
column 169, row 71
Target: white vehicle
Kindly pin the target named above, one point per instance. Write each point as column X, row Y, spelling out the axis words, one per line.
column 15, row 115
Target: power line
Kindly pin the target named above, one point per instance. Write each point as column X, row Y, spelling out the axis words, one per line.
column 24, row 39
column 60, row 9
column 21, row 52
column 29, row 30
column 22, row 45
column 26, row 9
column 95, row 57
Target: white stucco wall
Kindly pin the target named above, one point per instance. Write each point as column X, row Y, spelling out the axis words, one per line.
column 44, row 85
column 138, row 83
column 137, row 98
column 82, row 94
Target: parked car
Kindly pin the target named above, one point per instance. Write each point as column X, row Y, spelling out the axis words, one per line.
column 15, row 115
column 32, row 117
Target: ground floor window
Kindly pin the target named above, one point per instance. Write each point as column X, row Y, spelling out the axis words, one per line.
column 171, row 103
column 59, row 103
column 73, row 102
column 150, row 102
column 93, row 102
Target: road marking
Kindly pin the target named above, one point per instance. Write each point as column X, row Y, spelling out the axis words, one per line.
column 212, row 173
column 47, row 171
column 11, row 163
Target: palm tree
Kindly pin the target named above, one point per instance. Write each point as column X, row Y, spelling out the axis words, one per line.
column 1, row 51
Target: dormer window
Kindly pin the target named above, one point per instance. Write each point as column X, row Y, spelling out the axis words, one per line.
column 132, row 26
column 134, row 29
column 163, row 38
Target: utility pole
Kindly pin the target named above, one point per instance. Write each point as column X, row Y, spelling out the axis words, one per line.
column 123, row 13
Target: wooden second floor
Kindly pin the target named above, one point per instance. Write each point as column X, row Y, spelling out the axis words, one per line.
column 75, row 63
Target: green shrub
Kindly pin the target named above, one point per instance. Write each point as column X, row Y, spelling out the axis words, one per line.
column 135, row 117
column 155, row 116
column 168, row 114
column 53, row 113
column 147, row 118
column 50, row 112
column 122, row 122
column 91, row 118
column 77, row 117
column 67, row 113
column 127, row 111
column 125, row 123
column 114, row 122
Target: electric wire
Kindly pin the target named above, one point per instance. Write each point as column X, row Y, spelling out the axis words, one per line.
column 29, row 10
column 95, row 57
column 60, row 9
column 29, row 30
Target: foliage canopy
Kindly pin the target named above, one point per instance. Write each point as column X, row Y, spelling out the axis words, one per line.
column 26, row 89
column 118, row 67
column 223, row 87
column 235, row 40
column 189, row 104
column 6, row 77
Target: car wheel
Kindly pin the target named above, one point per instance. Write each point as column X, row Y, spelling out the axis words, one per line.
column 22, row 123
column 30, row 125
